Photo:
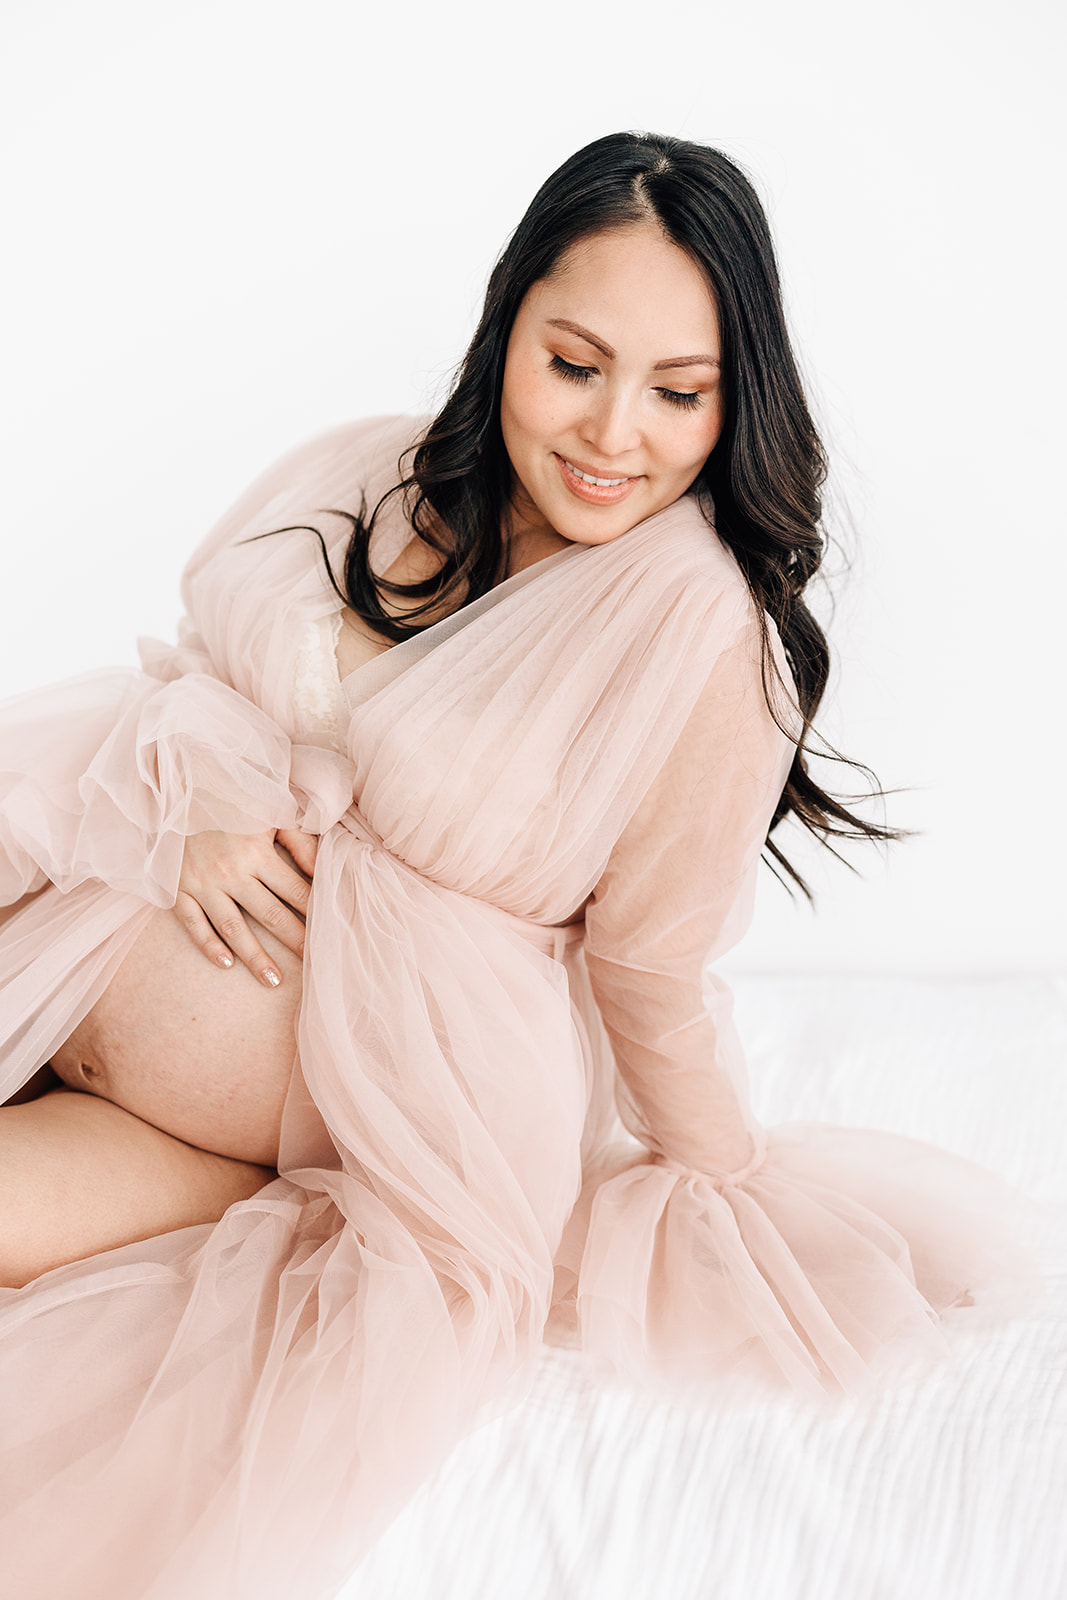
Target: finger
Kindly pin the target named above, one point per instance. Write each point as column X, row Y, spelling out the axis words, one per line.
column 303, row 847
column 274, row 915
column 200, row 931
column 229, row 923
column 281, row 879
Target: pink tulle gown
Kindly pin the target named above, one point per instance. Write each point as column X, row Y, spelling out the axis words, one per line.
column 539, row 819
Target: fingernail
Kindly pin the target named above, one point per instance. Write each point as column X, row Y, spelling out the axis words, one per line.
column 271, row 977
column 224, row 961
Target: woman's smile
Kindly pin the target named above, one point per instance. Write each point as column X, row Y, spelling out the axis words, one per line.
column 592, row 488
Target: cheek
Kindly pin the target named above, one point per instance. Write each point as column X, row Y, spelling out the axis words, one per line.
column 716, row 421
column 711, row 423
column 688, row 446
column 531, row 404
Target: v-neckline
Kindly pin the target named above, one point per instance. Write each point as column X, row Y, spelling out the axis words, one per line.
column 365, row 681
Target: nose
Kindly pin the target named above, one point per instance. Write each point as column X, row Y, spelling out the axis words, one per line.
column 610, row 424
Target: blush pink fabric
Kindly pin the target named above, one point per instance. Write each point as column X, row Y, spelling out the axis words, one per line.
column 238, row 1411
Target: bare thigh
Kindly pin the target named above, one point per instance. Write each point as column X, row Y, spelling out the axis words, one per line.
column 199, row 1052
column 82, row 1176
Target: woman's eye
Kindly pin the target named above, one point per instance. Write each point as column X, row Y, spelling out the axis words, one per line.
column 684, row 400
column 681, row 397
column 571, row 373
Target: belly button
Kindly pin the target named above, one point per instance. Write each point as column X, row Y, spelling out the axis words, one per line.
column 72, row 1069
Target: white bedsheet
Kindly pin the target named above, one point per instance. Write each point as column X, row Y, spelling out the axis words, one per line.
column 952, row 1486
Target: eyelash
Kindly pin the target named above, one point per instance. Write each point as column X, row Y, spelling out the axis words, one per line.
column 573, row 374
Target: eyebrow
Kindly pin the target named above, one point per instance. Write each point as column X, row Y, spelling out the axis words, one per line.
column 606, row 350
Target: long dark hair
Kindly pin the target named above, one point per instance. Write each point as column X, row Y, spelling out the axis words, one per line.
column 764, row 476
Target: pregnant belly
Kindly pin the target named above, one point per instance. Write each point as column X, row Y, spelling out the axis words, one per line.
column 203, row 1053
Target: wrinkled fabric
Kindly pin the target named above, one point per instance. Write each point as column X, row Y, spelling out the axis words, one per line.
column 498, row 1130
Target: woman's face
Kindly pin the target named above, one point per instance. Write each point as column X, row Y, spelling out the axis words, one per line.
column 612, row 374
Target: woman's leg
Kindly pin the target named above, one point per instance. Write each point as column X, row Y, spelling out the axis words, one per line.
column 82, row 1175
column 182, row 1070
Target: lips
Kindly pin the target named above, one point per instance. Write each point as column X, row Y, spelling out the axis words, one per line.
column 588, row 477
column 594, row 489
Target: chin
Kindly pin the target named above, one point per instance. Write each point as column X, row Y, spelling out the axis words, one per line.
column 598, row 527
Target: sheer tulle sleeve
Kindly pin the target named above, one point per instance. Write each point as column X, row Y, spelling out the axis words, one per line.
column 114, row 771
column 678, row 892
column 806, row 1256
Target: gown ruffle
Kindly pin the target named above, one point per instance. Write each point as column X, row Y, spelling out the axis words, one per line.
column 519, row 1107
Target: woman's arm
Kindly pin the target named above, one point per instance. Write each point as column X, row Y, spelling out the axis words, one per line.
column 224, row 876
column 808, row 1255
column 678, row 892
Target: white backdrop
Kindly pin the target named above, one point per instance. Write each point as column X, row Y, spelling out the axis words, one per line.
column 231, row 223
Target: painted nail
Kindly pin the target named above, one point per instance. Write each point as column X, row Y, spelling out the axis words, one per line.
column 224, row 960
column 271, row 977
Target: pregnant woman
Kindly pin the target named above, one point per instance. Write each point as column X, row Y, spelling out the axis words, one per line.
column 340, row 939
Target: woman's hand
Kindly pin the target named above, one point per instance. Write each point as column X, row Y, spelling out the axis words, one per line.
column 227, row 874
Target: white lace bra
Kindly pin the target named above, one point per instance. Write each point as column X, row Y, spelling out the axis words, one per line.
column 318, row 696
